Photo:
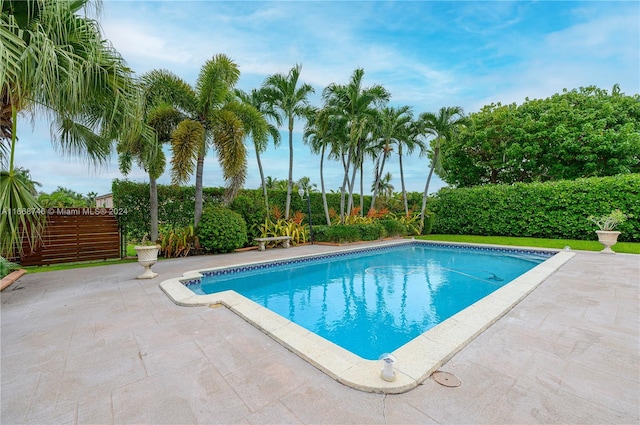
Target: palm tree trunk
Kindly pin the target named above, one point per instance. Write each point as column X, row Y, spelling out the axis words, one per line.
column 362, row 189
column 153, row 208
column 290, row 182
column 324, row 194
column 264, row 185
column 379, row 171
column 353, row 180
column 345, row 181
column 352, row 183
column 404, row 191
column 198, row 196
column 426, row 188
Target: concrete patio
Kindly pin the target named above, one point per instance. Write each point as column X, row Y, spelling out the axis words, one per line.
column 95, row 345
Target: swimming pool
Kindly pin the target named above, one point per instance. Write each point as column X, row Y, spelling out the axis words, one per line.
column 373, row 301
column 416, row 360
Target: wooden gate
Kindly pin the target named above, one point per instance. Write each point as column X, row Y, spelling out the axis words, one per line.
column 76, row 234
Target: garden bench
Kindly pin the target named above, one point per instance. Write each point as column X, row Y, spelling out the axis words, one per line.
column 263, row 241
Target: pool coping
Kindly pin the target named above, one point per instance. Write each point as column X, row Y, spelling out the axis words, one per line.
column 415, row 361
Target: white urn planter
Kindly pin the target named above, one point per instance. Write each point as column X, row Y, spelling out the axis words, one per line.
column 608, row 238
column 147, row 257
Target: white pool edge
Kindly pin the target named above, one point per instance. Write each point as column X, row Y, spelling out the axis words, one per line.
column 416, row 360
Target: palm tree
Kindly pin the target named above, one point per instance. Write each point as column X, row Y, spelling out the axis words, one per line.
column 162, row 95
column 444, row 126
column 394, row 127
column 256, row 98
column 290, row 101
column 214, row 118
column 355, row 107
column 271, row 182
column 411, row 143
column 318, row 134
column 385, row 187
column 57, row 62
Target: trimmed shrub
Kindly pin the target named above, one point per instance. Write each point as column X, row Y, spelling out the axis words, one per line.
column 393, row 227
column 221, row 230
column 336, row 234
column 557, row 210
column 370, row 232
column 344, row 233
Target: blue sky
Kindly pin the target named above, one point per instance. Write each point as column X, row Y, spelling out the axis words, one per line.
column 427, row 54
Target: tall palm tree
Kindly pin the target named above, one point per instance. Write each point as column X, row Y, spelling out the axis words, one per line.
column 256, row 98
column 410, row 143
column 163, row 93
column 55, row 61
column 291, row 101
column 319, row 135
column 394, row 128
column 444, row 126
column 214, row 119
column 355, row 106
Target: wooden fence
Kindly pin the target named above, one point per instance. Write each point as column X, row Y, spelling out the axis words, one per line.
column 76, row 234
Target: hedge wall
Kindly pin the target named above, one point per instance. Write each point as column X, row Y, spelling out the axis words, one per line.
column 176, row 205
column 545, row 210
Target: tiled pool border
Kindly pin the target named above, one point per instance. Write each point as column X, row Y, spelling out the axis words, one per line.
column 416, row 360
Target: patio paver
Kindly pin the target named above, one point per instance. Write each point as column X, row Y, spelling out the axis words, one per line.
column 96, row 345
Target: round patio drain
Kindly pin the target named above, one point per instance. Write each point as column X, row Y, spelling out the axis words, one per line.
column 447, row 379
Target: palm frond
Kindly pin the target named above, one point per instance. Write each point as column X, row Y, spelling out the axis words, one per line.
column 228, row 136
column 21, row 219
column 186, row 141
column 217, row 78
column 79, row 140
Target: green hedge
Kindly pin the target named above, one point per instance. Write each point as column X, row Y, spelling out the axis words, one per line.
column 176, row 205
column 556, row 210
column 349, row 233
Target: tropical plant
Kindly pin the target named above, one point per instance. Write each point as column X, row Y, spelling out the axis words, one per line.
column 318, row 134
column 256, row 98
column 385, row 187
column 411, row 222
column 214, row 118
column 178, row 242
column 609, row 221
column 163, row 93
column 394, row 128
column 55, row 61
column 64, row 197
column 444, row 126
column 409, row 143
column 353, row 107
column 270, row 182
column 282, row 227
column 290, row 101
column 7, row 267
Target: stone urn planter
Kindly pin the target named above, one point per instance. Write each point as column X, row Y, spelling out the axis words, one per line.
column 608, row 238
column 606, row 223
column 147, row 257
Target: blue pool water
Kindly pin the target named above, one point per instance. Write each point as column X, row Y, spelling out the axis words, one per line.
column 373, row 301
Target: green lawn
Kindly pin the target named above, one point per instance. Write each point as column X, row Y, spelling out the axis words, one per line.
column 622, row 247
column 79, row 265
